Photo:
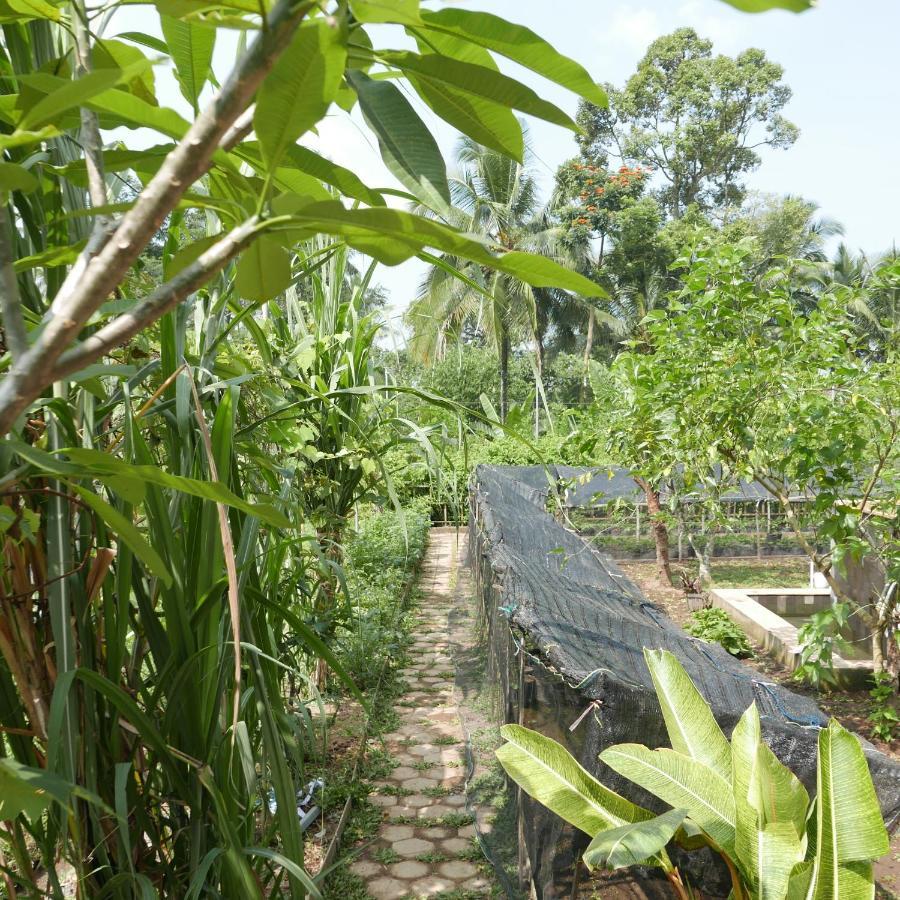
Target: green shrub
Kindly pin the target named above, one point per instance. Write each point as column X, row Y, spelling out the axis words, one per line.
column 715, row 625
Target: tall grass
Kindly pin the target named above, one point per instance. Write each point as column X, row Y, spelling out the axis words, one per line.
column 171, row 535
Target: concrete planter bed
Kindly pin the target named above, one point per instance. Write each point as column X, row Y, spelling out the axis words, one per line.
column 772, row 617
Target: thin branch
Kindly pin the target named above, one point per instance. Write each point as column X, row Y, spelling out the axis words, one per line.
column 157, row 303
column 90, row 122
column 82, row 294
column 10, row 299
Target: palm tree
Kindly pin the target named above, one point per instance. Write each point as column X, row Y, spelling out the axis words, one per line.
column 871, row 291
column 497, row 199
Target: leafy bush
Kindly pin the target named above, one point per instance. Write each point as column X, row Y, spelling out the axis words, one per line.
column 734, row 798
column 380, row 561
column 883, row 711
column 715, row 625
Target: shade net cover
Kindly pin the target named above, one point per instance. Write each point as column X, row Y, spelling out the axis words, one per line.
column 565, row 631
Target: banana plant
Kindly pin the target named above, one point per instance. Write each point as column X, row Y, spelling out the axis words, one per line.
column 734, row 798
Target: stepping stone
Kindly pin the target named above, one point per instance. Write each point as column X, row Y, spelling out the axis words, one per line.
column 408, row 869
column 387, row 888
column 455, row 845
column 397, row 832
column 365, row 868
column 412, row 847
column 458, row 869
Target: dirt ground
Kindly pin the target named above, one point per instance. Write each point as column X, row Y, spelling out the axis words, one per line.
column 850, row 708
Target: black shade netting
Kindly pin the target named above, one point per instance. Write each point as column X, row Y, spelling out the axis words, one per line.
column 566, row 630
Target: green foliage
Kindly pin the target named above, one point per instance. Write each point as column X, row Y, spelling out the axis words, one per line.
column 727, row 384
column 820, row 638
column 716, row 626
column 719, row 105
column 883, row 710
column 735, row 798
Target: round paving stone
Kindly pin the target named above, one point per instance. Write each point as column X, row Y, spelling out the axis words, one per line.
column 408, row 869
column 435, row 812
column 365, row 868
column 432, row 885
column 383, row 800
column 397, row 832
column 387, row 888
column 458, row 869
column 401, row 773
column 412, row 847
column 455, row 845
column 419, row 784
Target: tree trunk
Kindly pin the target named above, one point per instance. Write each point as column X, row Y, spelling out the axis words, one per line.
column 538, row 380
column 588, row 347
column 660, row 532
column 703, row 550
column 504, row 376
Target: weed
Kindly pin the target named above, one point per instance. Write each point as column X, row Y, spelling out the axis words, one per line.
column 386, row 856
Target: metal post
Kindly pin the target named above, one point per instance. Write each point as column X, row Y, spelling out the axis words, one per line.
column 637, row 520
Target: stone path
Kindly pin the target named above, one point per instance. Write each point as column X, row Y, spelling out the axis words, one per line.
column 425, row 845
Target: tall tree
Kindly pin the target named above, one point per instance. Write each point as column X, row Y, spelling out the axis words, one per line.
column 497, row 199
column 697, row 119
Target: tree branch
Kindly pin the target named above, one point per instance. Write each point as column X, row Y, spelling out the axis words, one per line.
column 80, row 296
column 157, row 303
column 10, row 300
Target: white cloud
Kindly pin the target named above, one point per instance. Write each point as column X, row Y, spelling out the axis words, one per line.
column 721, row 30
column 633, row 28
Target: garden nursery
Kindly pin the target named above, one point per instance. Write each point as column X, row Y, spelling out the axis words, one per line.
column 449, row 450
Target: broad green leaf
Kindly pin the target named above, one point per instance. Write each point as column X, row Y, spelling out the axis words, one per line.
column 21, row 138
column 109, row 54
column 634, row 844
column 52, row 256
column 392, row 236
column 539, row 271
column 849, row 827
column 191, row 48
column 187, row 254
column 756, row 6
column 798, row 884
column 300, row 87
column 311, row 163
column 16, row 178
column 778, row 850
column 491, row 124
column 146, row 40
column 126, row 531
column 547, row 772
column 480, row 81
column 25, row 791
column 681, row 782
column 83, row 463
column 263, row 270
column 519, row 44
column 117, row 108
column 23, row 10
column 691, row 726
column 407, row 146
column 62, row 94
column 402, row 12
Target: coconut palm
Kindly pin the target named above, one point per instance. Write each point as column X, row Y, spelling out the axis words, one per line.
column 496, row 198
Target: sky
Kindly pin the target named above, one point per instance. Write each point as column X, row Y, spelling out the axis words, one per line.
column 841, row 59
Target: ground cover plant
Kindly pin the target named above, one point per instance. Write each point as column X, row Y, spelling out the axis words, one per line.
column 716, row 625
